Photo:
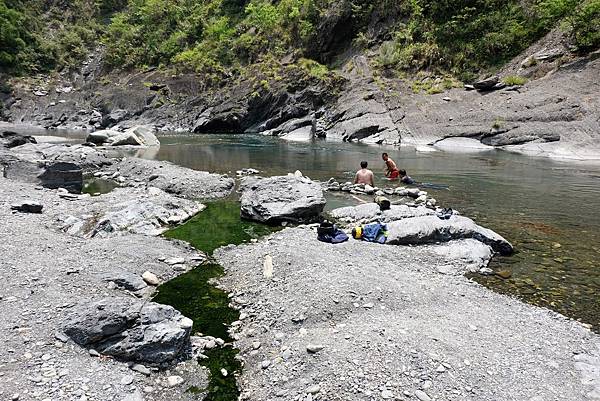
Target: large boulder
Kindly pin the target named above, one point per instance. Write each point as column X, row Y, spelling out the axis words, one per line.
column 284, row 198
column 136, row 136
column 129, row 329
column 10, row 139
column 431, row 229
column 47, row 174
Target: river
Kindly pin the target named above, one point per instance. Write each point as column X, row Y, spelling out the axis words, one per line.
column 548, row 209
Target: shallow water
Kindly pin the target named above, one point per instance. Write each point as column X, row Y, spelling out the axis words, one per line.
column 547, row 209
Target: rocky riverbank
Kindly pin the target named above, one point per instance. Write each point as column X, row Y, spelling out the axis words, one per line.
column 317, row 321
column 555, row 114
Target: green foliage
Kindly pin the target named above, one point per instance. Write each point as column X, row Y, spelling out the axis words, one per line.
column 465, row 36
column 584, row 25
column 515, row 80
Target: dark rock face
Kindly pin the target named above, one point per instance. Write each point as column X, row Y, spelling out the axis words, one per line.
column 62, row 175
column 27, row 207
column 11, row 139
column 115, row 117
column 48, row 174
column 277, row 199
column 431, row 229
column 129, row 329
column 487, row 84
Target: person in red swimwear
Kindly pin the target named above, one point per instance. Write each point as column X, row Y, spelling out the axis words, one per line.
column 391, row 171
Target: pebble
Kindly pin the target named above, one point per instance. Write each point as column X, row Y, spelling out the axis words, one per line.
column 421, row 395
column 175, row 261
column 256, row 345
column 150, row 278
column 127, row 380
column 224, row 372
column 313, row 389
column 314, row 348
column 93, row 352
column 15, row 397
column 173, row 381
column 440, row 369
column 265, row 364
column 387, row 394
column 141, row 369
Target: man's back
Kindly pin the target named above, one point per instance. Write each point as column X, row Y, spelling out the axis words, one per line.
column 364, row 176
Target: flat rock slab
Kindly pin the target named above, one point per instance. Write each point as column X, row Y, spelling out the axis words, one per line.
column 129, row 329
column 129, row 211
column 283, row 198
column 174, row 179
column 369, row 212
column 431, row 229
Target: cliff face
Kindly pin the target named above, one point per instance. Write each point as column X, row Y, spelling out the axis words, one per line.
column 548, row 105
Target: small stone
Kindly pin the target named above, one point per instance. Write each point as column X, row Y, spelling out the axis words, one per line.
column 421, row 395
column 93, row 352
column 150, row 278
column 14, row 397
column 127, row 380
column 505, row 274
column 440, row 369
column 256, row 345
column 387, row 394
column 173, row 381
column 368, row 305
column 265, row 364
column 313, row 389
column 314, row 348
column 224, row 372
column 27, row 207
column 175, row 261
column 210, row 344
column 148, row 389
column 141, row 369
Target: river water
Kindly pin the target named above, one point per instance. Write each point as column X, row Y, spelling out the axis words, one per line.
column 549, row 210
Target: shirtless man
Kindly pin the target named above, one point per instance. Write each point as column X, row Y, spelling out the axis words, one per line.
column 391, row 171
column 364, row 175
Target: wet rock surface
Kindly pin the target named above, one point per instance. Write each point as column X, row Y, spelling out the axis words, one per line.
column 394, row 322
column 279, row 199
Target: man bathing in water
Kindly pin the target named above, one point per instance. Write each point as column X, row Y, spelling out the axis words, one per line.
column 364, row 175
column 391, row 170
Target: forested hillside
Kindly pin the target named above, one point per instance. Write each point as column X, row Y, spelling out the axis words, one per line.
column 219, row 38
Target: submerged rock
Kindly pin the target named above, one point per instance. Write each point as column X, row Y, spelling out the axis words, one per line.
column 129, row 329
column 431, row 229
column 281, row 199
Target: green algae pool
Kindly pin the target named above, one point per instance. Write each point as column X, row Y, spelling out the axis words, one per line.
column 193, row 294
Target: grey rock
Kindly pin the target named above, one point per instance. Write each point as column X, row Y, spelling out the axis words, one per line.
column 370, row 212
column 48, row 174
column 422, row 396
column 281, row 199
column 487, row 83
column 141, row 369
column 126, row 280
column 27, row 207
column 129, row 329
column 174, row 179
column 10, row 139
column 431, row 229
